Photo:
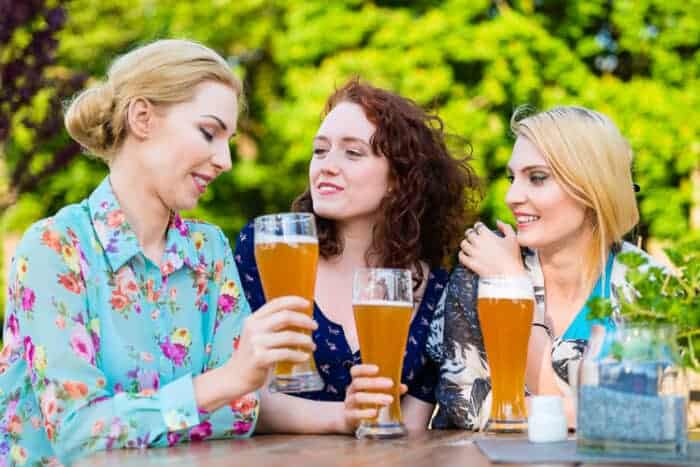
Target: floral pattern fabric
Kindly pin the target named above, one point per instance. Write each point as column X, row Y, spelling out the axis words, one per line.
column 456, row 342
column 333, row 355
column 101, row 344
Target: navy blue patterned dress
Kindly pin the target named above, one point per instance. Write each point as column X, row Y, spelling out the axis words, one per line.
column 333, row 355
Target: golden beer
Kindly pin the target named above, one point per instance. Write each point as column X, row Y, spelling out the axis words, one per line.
column 505, row 325
column 382, row 329
column 382, row 302
column 288, row 267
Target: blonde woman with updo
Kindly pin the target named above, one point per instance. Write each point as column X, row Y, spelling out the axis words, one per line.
column 125, row 324
column 573, row 198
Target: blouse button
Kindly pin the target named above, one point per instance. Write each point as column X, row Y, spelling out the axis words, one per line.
column 347, row 364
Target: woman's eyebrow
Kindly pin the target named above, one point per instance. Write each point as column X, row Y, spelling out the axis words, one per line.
column 528, row 168
column 218, row 120
column 352, row 139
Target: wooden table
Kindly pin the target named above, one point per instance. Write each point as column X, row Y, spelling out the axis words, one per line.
column 433, row 449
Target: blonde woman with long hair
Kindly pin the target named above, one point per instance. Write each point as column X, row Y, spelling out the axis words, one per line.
column 573, row 198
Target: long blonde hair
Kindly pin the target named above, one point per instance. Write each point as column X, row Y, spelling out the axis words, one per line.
column 162, row 72
column 592, row 162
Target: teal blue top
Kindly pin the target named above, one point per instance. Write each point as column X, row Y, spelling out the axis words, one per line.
column 580, row 327
column 102, row 345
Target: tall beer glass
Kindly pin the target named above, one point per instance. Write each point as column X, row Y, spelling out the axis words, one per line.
column 286, row 252
column 382, row 301
column 505, row 308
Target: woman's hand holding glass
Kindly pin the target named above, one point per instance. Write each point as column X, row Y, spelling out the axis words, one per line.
column 363, row 396
column 488, row 254
column 266, row 340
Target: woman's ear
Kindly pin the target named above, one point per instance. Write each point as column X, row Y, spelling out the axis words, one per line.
column 140, row 117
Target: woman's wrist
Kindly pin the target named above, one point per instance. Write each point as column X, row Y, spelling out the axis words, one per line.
column 340, row 422
column 517, row 270
column 217, row 387
column 543, row 327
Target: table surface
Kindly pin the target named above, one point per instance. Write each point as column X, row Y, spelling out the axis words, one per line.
column 439, row 448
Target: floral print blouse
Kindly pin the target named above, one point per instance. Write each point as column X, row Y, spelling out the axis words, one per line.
column 101, row 344
column 456, row 341
column 333, row 355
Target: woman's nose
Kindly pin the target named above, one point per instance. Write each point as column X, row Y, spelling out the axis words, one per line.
column 222, row 158
column 515, row 194
column 329, row 164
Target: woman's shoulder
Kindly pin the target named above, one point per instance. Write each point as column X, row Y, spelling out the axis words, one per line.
column 438, row 275
column 432, row 287
column 618, row 276
column 461, row 278
column 71, row 222
column 627, row 247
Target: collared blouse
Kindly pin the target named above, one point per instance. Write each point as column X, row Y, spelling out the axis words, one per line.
column 102, row 345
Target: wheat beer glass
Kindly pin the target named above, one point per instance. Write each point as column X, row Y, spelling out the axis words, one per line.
column 505, row 308
column 382, row 301
column 286, row 252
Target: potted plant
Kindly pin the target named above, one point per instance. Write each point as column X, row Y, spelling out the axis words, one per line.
column 666, row 297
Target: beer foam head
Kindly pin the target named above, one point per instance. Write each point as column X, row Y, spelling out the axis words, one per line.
column 290, row 238
column 390, row 303
column 511, row 288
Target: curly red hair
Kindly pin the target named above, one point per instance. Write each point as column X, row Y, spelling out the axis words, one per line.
column 435, row 193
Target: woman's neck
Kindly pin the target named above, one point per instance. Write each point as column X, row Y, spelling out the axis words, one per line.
column 357, row 240
column 144, row 210
column 564, row 266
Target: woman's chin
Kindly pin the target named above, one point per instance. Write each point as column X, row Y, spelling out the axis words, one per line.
column 326, row 212
column 185, row 204
column 525, row 240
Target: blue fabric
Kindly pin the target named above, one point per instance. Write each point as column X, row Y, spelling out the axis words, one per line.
column 102, row 345
column 580, row 327
column 333, row 355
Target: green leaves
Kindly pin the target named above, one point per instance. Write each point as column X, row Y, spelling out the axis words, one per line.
column 473, row 61
column 663, row 297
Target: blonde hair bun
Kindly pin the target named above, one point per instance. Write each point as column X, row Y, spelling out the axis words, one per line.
column 163, row 72
column 88, row 119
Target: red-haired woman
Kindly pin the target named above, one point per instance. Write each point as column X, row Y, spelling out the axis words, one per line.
column 386, row 192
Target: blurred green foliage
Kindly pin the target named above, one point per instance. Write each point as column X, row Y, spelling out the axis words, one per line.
column 662, row 298
column 473, row 61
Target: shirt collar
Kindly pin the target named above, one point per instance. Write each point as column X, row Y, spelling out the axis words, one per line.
column 180, row 248
column 118, row 239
